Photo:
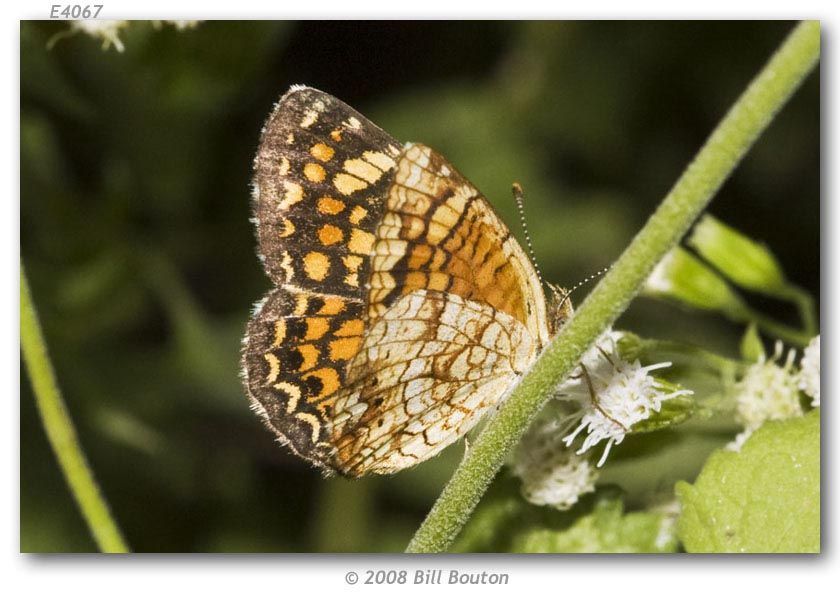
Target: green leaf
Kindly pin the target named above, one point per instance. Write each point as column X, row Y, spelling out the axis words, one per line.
column 765, row 498
column 505, row 522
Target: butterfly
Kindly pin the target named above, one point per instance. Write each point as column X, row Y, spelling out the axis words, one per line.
column 403, row 308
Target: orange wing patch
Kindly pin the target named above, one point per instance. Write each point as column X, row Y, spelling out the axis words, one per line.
column 438, row 233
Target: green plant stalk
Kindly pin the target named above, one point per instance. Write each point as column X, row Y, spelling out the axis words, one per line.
column 804, row 305
column 734, row 135
column 60, row 430
column 780, row 331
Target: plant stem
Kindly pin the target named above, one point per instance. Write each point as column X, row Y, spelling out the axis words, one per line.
column 780, row 331
column 721, row 153
column 60, row 430
column 804, row 305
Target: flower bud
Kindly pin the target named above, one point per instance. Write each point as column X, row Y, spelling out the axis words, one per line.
column 683, row 277
column 745, row 262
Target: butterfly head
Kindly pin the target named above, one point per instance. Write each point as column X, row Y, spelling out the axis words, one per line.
column 559, row 308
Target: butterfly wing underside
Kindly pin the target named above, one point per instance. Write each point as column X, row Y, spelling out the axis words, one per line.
column 404, row 308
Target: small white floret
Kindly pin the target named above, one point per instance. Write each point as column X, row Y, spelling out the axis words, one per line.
column 768, row 391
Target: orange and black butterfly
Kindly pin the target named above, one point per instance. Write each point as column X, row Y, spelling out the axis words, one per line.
column 403, row 308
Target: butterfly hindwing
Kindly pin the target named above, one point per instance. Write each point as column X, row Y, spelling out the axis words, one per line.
column 295, row 356
column 428, row 370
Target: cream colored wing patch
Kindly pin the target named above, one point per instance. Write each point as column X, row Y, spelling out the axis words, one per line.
column 428, row 370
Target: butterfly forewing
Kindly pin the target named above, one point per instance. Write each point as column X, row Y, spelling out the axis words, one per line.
column 322, row 170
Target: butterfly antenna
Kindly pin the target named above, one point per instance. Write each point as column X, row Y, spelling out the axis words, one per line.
column 519, row 197
column 583, row 282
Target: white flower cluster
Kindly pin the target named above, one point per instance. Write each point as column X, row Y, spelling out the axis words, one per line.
column 108, row 30
column 606, row 395
column 769, row 391
column 809, row 371
column 551, row 473
column 613, row 395
column 104, row 29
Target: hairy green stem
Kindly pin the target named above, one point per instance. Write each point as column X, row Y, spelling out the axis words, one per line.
column 742, row 125
column 60, row 430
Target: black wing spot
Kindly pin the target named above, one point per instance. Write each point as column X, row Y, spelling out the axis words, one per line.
column 316, row 303
column 295, row 328
column 314, row 385
column 292, row 360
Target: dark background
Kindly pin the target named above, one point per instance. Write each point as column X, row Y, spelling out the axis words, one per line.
column 135, row 169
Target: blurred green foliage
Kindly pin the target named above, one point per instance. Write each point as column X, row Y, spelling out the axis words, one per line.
column 135, row 169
